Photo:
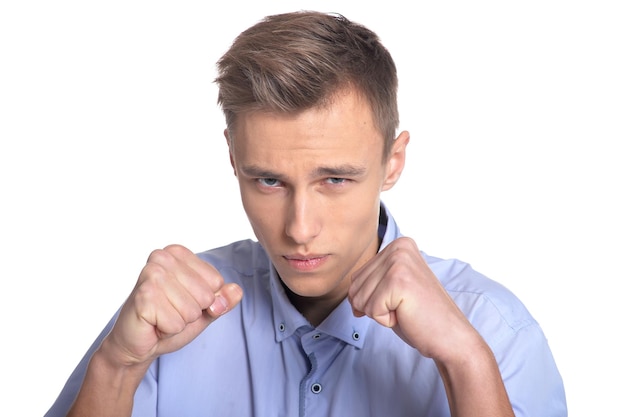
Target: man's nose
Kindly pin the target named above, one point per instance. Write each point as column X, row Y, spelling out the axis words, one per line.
column 302, row 223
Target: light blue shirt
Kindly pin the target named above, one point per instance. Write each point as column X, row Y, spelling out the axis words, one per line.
column 265, row 359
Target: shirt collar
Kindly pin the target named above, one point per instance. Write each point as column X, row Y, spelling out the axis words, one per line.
column 387, row 227
column 341, row 323
column 287, row 319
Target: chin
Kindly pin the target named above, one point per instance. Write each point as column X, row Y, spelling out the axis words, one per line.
column 311, row 287
column 303, row 289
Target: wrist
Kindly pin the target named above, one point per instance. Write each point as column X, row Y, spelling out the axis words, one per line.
column 119, row 374
column 109, row 385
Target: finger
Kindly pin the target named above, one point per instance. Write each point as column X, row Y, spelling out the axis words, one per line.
column 382, row 312
column 201, row 284
column 190, row 260
column 163, row 302
column 200, row 279
column 363, row 274
column 168, row 321
column 377, row 299
column 225, row 300
column 357, row 313
column 365, row 281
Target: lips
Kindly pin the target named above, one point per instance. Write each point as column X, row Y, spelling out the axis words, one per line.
column 305, row 263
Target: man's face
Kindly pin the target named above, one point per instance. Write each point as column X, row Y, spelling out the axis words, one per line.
column 310, row 185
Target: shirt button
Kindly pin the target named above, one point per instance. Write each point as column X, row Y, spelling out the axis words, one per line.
column 317, row 336
column 316, row 388
column 281, row 327
column 356, row 336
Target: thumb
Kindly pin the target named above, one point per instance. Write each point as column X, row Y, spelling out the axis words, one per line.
column 225, row 300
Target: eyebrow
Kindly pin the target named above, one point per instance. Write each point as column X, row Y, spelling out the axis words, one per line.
column 340, row 171
column 322, row 171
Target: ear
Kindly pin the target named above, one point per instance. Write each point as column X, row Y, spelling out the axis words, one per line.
column 395, row 160
column 230, row 151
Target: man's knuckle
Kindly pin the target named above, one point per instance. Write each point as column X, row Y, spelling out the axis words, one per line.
column 178, row 251
column 160, row 256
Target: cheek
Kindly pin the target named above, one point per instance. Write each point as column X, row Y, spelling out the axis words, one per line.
column 249, row 201
column 356, row 221
column 364, row 206
column 263, row 219
column 261, row 226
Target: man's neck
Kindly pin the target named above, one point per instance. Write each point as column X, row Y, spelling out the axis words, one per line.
column 314, row 309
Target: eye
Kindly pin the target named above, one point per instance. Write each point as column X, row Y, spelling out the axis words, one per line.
column 336, row 180
column 268, row 182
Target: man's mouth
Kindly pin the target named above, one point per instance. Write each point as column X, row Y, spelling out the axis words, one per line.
column 305, row 262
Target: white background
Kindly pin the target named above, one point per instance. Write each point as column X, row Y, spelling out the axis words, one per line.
column 111, row 146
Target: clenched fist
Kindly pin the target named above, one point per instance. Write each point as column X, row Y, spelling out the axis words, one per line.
column 176, row 297
column 398, row 290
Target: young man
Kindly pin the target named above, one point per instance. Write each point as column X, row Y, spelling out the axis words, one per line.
column 333, row 311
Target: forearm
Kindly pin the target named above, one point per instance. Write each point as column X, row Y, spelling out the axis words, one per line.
column 474, row 385
column 108, row 389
